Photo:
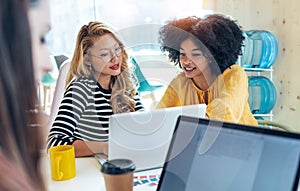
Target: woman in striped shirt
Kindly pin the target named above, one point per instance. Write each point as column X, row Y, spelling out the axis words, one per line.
column 99, row 84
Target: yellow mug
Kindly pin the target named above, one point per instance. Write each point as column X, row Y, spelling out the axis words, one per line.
column 62, row 162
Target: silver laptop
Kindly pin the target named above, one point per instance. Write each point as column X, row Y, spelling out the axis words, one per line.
column 215, row 156
column 144, row 137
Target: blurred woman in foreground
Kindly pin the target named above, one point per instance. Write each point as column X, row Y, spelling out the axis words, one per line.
column 20, row 140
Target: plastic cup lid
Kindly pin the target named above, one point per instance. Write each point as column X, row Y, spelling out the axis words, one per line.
column 118, row 166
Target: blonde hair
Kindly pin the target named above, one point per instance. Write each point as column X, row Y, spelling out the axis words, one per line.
column 122, row 86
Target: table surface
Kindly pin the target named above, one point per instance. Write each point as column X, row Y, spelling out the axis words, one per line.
column 89, row 177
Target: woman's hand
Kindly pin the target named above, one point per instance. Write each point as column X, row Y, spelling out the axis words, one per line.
column 89, row 148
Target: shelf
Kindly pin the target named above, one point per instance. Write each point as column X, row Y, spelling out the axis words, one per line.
column 258, row 69
column 263, row 115
column 267, row 72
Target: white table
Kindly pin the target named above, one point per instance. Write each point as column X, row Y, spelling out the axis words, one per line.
column 88, row 177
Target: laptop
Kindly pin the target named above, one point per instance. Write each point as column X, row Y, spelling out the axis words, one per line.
column 144, row 137
column 217, row 156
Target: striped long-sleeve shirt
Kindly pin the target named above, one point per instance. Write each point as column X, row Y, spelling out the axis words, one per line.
column 83, row 113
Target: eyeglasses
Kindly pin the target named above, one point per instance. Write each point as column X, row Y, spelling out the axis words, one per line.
column 108, row 55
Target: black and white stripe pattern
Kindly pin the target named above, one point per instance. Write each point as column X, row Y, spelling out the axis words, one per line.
column 83, row 113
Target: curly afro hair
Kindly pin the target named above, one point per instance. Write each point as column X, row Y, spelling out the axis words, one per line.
column 219, row 37
column 222, row 37
column 173, row 33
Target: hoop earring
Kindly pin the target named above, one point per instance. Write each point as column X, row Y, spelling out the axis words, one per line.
column 90, row 68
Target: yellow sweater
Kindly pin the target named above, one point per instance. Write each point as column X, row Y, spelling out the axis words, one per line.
column 226, row 98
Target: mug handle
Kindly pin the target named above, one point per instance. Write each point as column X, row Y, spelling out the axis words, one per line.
column 59, row 173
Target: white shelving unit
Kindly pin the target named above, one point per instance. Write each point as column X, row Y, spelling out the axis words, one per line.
column 267, row 72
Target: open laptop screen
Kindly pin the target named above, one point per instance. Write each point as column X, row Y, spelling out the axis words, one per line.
column 144, row 137
column 216, row 156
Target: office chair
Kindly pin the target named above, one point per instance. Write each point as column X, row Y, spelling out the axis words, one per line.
column 61, row 59
column 144, row 86
column 273, row 125
column 59, row 90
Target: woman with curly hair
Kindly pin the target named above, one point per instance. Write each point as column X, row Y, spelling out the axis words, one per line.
column 207, row 50
column 99, row 84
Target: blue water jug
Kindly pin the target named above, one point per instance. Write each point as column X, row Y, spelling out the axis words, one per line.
column 262, row 94
column 260, row 49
